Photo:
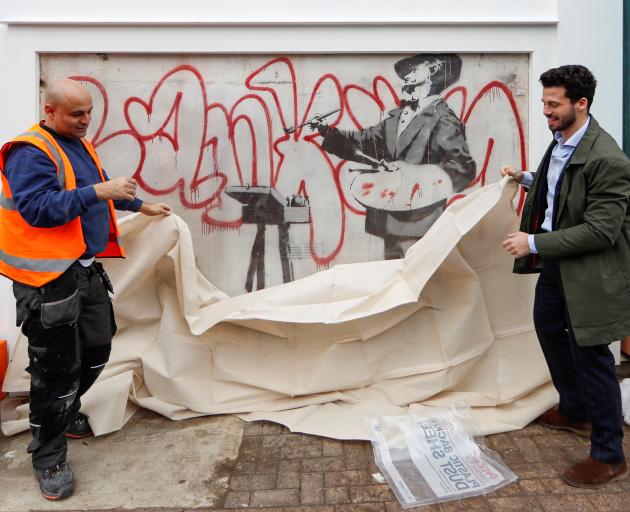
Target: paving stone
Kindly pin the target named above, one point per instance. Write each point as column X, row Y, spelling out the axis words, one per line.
column 477, row 504
column 277, row 440
column 275, row 498
column 332, row 448
column 336, row 495
column 357, row 449
column 310, row 439
column 312, row 489
column 534, row 470
column 291, row 472
column 301, row 451
column 266, row 464
column 289, row 466
column 394, row 506
column 369, row 493
column 529, row 449
column 532, row 486
column 268, row 453
column 239, row 499
column 567, row 502
column 515, row 504
column 244, row 468
column 323, row 464
column 288, row 480
column 513, row 489
column 253, row 482
column 619, row 486
column 500, row 442
column 360, row 507
column 343, row 478
column 511, row 455
column 619, row 502
column 566, row 439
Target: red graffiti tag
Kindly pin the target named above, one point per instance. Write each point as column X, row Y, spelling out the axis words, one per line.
column 250, row 142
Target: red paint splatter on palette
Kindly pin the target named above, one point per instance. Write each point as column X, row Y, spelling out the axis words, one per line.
column 155, row 120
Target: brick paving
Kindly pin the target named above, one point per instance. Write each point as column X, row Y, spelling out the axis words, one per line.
column 279, row 471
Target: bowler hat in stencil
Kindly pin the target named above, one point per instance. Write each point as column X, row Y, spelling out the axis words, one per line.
column 445, row 68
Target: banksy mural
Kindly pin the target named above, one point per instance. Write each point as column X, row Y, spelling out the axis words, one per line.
column 283, row 165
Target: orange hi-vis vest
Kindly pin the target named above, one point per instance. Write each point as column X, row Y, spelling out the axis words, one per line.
column 33, row 255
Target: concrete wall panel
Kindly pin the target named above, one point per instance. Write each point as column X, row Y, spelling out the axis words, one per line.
column 191, row 127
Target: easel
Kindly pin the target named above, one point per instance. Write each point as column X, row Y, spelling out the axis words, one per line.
column 263, row 206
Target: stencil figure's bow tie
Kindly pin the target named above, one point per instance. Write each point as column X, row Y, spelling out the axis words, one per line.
column 413, row 104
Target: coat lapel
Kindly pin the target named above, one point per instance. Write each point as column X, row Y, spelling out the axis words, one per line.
column 419, row 129
column 579, row 158
column 391, row 125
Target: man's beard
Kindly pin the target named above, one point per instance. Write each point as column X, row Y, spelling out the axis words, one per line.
column 566, row 121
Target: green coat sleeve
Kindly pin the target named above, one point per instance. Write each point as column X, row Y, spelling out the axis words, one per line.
column 606, row 201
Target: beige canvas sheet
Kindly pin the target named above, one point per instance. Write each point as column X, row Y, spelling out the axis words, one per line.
column 447, row 325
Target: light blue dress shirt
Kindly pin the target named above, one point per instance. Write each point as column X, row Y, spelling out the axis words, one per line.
column 560, row 156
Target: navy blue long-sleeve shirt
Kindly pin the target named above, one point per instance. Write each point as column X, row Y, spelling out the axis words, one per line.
column 42, row 203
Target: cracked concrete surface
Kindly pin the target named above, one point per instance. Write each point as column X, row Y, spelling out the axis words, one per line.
column 152, row 462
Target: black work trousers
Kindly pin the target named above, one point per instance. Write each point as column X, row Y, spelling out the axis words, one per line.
column 69, row 324
column 585, row 377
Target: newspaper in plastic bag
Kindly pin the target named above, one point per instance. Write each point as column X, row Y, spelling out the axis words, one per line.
column 431, row 456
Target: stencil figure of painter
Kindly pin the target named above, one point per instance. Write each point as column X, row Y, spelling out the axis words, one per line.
column 413, row 160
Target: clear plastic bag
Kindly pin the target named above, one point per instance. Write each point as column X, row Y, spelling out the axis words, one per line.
column 432, row 456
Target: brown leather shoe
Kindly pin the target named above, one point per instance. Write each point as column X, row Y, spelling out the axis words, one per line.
column 554, row 420
column 593, row 474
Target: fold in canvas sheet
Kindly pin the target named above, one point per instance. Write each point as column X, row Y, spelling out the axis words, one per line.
column 447, row 325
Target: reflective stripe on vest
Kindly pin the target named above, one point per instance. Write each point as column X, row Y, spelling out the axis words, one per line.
column 61, row 167
column 38, row 265
column 7, row 203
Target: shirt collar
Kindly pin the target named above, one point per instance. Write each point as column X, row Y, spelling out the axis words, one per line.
column 575, row 139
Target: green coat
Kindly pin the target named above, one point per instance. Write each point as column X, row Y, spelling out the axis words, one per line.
column 592, row 237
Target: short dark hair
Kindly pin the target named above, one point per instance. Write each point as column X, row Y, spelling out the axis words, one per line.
column 577, row 80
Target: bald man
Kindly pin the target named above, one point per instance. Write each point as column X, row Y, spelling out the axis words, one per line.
column 57, row 216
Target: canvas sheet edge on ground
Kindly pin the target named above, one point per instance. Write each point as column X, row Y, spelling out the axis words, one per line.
column 448, row 324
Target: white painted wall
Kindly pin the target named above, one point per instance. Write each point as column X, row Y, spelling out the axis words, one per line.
column 554, row 32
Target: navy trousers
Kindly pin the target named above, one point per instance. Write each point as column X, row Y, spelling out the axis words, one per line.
column 585, row 377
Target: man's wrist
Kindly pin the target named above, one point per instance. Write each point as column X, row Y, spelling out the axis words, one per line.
column 100, row 195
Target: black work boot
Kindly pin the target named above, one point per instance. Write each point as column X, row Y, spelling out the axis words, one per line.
column 79, row 428
column 56, row 482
